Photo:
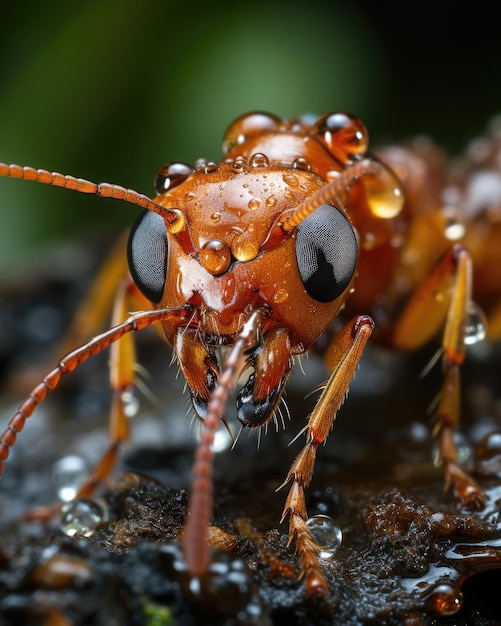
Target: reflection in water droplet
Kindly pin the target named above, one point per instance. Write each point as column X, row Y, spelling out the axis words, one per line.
column 327, row 534
column 81, row 516
column 68, row 475
column 476, row 324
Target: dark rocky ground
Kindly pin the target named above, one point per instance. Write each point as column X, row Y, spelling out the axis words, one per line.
column 409, row 554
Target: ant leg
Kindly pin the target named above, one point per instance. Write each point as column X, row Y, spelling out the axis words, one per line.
column 444, row 297
column 344, row 354
column 122, row 365
column 135, row 322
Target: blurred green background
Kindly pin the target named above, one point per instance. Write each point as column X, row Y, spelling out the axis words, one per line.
column 112, row 89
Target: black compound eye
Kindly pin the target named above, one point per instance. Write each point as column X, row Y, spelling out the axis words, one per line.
column 147, row 255
column 327, row 253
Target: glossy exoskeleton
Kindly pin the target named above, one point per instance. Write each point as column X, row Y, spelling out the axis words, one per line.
column 245, row 264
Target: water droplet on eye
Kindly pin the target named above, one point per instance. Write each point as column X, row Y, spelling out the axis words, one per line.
column 476, row 325
column 443, row 598
column 327, row 534
column 384, row 193
column 68, row 475
column 130, row 402
column 81, row 516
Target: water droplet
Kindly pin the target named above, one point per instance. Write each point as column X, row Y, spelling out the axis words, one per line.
column 280, row 296
column 270, row 202
column 81, row 516
column 215, row 217
column 454, row 228
column 476, row 324
column 291, row 179
column 239, row 165
column 171, row 175
column 259, row 160
column 201, row 164
column 68, row 475
column 444, row 598
column 130, row 402
column 301, row 164
column 384, row 193
column 247, row 125
column 244, row 249
column 254, row 204
column 210, row 166
column 345, row 136
column 327, row 534
column 215, row 257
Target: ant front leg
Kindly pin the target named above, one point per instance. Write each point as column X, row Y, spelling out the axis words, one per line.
column 444, row 297
column 343, row 356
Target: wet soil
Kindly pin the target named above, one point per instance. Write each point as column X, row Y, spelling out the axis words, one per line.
column 410, row 555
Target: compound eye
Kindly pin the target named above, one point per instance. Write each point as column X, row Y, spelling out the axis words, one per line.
column 147, row 255
column 326, row 252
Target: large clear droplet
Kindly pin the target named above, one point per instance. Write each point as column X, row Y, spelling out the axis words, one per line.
column 476, row 325
column 443, row 598
column 384, row 193
column 81, row 516
column 68, row 475
column 327, row 534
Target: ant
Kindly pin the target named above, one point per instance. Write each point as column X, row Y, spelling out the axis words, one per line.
column 245, row 263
